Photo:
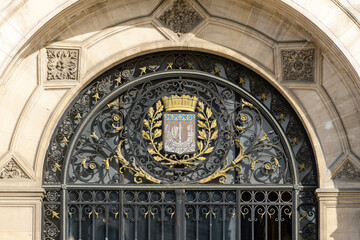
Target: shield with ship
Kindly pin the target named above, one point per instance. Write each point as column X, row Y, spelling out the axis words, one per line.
column 179, row 133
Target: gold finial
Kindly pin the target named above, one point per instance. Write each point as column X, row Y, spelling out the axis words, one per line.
column 302, row 167
column 263, row 97
column 55, row 215
column 96, row 97
column 78, row 116
column 143, row 70
column 281, row 117
column 180, row 103
column 217, row 71
column 169, row 65
column 65, row 140
column 242, row 82
column 118, row 81
column 58, row 167
column 190, row 65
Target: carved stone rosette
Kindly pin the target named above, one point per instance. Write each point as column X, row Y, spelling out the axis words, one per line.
column 298, row 65
column 62, row 64
column 181, row 17
column 12, row 170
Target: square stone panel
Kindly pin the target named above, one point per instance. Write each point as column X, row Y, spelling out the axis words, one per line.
column 181, row 17
column 298, row 65
column 62, row 64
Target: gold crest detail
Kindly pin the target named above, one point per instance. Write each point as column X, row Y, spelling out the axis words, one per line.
column 180, row 103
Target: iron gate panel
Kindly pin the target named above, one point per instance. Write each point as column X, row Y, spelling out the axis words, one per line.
column 233, row 138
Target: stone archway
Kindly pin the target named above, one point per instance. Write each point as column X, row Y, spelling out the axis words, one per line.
column 248, row 32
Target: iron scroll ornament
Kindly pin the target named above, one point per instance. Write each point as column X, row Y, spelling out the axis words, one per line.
column 237, row 144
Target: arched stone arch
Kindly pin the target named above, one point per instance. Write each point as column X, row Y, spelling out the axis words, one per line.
column 28, row 98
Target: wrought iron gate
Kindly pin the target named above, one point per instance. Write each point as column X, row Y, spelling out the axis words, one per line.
column 180, row 145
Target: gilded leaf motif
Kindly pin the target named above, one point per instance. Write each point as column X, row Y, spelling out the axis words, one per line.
column 201, row 116
column 200, row 145
column 214, row 135
column 157, row 133
column 159, row 106
column 213, row 124
column 160, row 146
column 146, row 123
column 151, row 151
column 157, row 158
column 158, row 124
column 145, row 135
column 208, row 112
column 202, row 134
column 201, row 105
column 209, row 150
column 158, row 116
column 151, row 112
column 201, row 158
column 201, row 124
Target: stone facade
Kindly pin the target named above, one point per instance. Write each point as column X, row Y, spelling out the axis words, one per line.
column 51, row 50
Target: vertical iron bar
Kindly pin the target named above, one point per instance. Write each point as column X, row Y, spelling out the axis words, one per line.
column 107, row 218
column 80, row 217
column 224, row 222
column 149, row 222
column 210, row 222
column 93, row 223
column 266, row 222
column 197, row 215
column 136, row 219
column 295, row 220
column 163, row 209
column 253, row 222
column 121, row 215
column 279, row 220
column 63, row 216
column 179, row 224
column 238, row 216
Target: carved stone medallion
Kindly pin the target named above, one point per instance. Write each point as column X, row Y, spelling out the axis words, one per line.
column 62, row 64
column 298, row 65
column 181, row 17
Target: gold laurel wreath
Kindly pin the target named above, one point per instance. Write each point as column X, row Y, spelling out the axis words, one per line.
column 206, row 135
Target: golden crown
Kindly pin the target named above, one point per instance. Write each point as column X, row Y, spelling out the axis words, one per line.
column 180, row 103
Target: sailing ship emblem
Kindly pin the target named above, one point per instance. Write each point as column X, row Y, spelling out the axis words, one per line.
column 179, row 133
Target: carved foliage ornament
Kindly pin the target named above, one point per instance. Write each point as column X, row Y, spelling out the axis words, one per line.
column 348, row 171
column 12, row 170
column 62, row 64
column 298, row 65
column 181, row 17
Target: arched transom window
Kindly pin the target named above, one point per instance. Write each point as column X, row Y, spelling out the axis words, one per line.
column 179, row 145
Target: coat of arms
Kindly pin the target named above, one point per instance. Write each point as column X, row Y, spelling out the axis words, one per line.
column 180, row 130
column 179, row 133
